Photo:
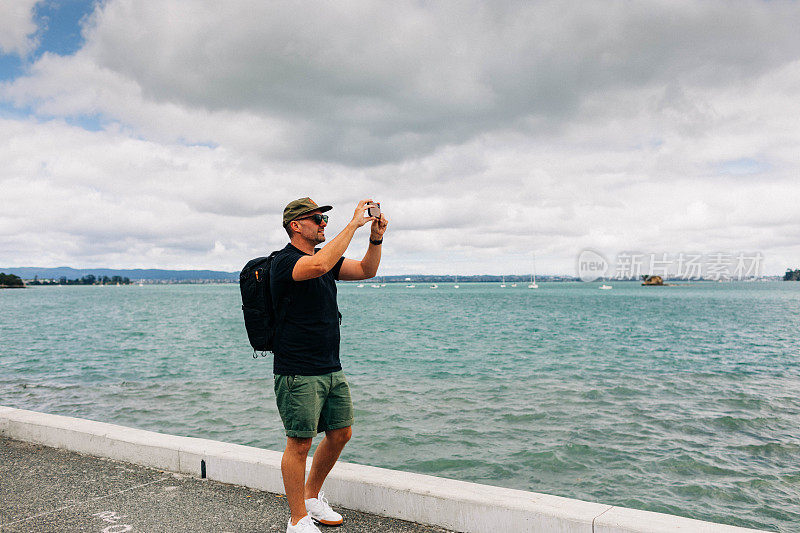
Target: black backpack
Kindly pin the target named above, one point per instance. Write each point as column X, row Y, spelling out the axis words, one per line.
column 261, row 319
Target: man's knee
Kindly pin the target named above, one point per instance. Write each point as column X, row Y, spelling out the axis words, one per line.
column 340, row 436
column 297, row 445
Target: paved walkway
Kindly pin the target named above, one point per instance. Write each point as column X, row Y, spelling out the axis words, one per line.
column 49, row 490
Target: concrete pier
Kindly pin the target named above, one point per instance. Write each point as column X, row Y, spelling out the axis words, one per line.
column 426, row 503
column 46, row 489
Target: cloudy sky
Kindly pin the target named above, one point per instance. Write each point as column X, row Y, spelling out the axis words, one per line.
column 171, row 133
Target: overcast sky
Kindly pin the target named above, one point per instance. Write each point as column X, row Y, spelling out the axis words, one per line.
column 171, row 134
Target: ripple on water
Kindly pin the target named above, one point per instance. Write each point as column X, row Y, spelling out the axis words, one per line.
column 771, row 449
column 685, row 465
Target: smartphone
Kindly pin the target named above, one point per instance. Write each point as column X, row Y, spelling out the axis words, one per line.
column 374, row 211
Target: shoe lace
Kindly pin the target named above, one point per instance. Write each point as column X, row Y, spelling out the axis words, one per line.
column 323, row 501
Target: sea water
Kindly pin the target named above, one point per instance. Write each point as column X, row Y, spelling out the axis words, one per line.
column 684, row 400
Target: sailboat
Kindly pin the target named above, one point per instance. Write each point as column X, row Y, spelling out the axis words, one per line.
column 503, row 285
column 533, row 284
column 456, row 285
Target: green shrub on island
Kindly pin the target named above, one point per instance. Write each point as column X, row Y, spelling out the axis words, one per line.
column 792, row 275
column 10, row 280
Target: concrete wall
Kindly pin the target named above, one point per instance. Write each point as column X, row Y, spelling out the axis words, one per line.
column 456, row 505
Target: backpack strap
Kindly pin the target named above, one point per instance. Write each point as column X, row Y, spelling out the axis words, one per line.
column 280, row 314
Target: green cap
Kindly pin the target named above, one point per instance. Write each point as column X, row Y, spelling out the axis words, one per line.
column 297, row 208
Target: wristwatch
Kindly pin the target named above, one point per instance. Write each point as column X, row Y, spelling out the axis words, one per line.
column 376, row 243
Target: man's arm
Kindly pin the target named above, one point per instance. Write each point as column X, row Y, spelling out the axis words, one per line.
column 368, row 266
column 314, row 266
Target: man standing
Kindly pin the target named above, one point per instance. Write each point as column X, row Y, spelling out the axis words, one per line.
column 310, row 388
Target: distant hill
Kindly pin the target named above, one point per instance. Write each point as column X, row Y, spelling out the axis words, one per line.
column 134, row 273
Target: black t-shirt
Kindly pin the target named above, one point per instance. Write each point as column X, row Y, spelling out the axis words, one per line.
column 307, row 341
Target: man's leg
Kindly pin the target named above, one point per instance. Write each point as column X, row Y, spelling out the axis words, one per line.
column 324, row 458
column 293, row 468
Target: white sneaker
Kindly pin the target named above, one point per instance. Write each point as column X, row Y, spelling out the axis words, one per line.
column 304, row 525
column 319, row 510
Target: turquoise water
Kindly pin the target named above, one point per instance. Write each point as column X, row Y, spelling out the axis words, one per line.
column 682, row 400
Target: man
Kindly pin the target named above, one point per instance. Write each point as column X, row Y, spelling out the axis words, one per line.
column 310, row 388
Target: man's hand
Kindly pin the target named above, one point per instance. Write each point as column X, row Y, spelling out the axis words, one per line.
column 378, row 228
column 368, row 266
column 358, row 217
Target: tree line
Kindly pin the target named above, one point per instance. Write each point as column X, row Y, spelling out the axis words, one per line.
column 10, row 280
column 792, row 275
column 85, row 280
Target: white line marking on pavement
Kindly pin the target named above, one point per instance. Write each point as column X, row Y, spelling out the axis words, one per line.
column 90, row 500
column 109, row 516
column 116, row 528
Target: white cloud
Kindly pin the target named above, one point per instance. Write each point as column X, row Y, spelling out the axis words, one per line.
column 112, row 200
column 17, row 27
column 487, row 131
column 366, row 83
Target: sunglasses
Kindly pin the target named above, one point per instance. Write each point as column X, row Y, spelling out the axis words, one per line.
column 317, row 218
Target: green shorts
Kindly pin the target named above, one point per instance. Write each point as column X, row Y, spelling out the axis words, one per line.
column 312, row 404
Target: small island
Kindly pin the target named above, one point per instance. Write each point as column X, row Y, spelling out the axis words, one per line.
column 652, row 280
column 10, row 281
column 792, row 275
